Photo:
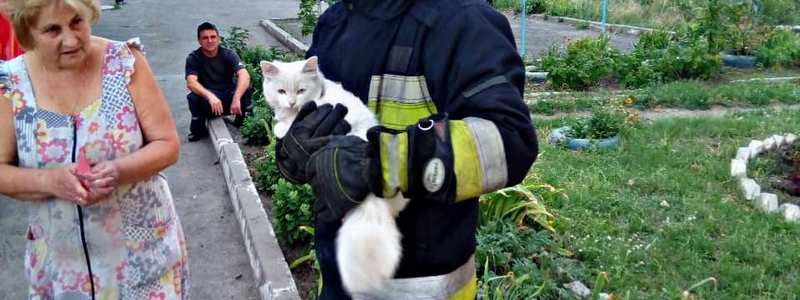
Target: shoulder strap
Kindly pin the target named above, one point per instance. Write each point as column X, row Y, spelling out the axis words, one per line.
column 402, row 50
column 402, row 60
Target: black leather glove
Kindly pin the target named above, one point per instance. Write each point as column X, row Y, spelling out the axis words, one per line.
column 310, row 131
column 341, row 175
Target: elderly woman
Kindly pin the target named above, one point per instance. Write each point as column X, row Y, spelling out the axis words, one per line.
column 84, row 132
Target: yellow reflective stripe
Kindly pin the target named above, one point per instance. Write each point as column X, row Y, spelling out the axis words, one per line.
column 394, row 163
column 479, row 157
column 468, row 292
column 491, row 153
column 404, row 100
column 407, row 89
column 396, row 115
column 469, row 177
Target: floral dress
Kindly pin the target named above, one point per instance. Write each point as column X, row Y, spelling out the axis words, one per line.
column 129, row 246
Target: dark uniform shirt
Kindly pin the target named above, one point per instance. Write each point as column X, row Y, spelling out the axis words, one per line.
column 214, row 73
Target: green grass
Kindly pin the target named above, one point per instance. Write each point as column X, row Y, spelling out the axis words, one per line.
column 661, row 213
column 679, row 94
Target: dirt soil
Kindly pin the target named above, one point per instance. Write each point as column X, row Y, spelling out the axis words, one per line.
column 783, row 178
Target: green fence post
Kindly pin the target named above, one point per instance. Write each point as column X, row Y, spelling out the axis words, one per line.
column 605, row 15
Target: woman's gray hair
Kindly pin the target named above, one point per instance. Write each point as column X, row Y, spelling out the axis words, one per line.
column 24, row 14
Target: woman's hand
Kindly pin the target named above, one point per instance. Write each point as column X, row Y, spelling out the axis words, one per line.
column 101, row 181
column 64, row 184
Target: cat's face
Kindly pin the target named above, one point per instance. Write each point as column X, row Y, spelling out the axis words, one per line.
column 289, row 86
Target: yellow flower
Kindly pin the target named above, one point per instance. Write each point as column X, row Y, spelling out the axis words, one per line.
column 629, row 101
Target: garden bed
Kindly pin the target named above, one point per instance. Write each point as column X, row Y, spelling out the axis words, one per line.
column 777, row 169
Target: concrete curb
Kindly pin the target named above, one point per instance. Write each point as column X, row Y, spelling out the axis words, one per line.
column 270, row 269
column 284, row 37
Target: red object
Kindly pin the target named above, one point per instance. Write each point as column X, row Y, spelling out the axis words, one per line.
column 83, row 168
column 9, row 47
column 83, row 165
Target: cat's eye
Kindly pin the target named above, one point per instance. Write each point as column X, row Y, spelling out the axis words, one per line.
column 282, row 91
column 300, row 91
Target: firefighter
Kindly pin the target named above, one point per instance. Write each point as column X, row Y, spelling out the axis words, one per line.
column 446, row 82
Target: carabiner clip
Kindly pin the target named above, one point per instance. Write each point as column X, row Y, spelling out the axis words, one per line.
column 426, row 128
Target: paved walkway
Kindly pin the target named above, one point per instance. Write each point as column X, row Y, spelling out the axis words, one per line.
column 218, row 262
column 541, row 35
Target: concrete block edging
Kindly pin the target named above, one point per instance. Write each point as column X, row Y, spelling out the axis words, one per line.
column 751, row 191
column 272, row 274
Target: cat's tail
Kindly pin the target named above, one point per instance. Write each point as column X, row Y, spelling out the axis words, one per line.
column 368, row 246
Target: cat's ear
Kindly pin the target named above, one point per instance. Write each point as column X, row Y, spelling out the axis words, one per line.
column 311, row 65
column 269, row 69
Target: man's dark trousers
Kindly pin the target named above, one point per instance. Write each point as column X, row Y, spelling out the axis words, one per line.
column 201, row 109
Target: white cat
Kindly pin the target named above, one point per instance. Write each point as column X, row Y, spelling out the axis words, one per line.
column 368, row 246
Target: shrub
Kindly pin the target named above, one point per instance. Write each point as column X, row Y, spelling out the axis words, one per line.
column 256, row 128
column 522, row 263
column 659, row 57
column 236, row 39
column 266, row 170
column 781, row 48
column 308, row 16
column 534, row 6
column 582, row 64
column 743, row 33
column 780, row 12
column 602, row 123
column 291, row 204
column 522, row 204
column 291, row 208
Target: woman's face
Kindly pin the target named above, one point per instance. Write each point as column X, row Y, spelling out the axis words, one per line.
column 61, row 35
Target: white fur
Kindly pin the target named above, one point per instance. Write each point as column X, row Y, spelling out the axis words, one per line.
column 368, row 246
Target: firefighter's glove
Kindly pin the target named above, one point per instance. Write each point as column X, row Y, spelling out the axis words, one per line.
column 417, row 161
column 341, row 175
column 310, row 131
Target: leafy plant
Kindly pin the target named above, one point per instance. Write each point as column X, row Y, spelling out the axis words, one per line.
column 779, row 12
column 534, row 6
column 660, row 57
column 236, row 39
column 709, row 24
column 743, row 33
column 266, row 173
column 781, row 48
column 308, row 16
column 602, row 123
column 291, row 208
column 582, row 64
column 522, row 263
column 520, row 204
column 256, row 128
